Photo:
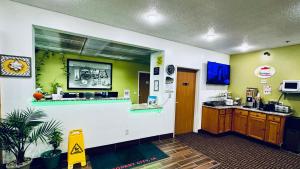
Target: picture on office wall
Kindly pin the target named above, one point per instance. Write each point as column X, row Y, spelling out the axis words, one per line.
column 89, row 75
column 15, row 66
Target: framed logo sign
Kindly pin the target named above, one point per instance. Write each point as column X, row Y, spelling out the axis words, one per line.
column 264, row 71
column 15, row 66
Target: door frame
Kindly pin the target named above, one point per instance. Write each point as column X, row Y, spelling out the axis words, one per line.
column 197, row 97
column 139, row 72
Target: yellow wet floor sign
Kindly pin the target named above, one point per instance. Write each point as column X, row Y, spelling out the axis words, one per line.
column 76, row 152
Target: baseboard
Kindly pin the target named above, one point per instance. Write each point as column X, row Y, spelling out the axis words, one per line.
column 37, row 162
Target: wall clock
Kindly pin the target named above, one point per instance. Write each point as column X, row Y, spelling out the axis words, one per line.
column 170, row 69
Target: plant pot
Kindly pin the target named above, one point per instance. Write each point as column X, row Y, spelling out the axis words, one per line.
column 51, row 159
column 25, row 165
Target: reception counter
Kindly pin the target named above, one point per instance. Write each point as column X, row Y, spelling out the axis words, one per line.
column 134, row 108
column 104, row 121
column 77, row 101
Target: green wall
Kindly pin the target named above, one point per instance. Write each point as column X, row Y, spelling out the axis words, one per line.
column 125, row 74
column 286, row 61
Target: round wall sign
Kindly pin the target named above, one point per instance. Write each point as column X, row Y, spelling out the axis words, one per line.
column 170, row 69
column 264, row 71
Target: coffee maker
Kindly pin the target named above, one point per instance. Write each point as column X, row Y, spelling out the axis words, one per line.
column 251, row 93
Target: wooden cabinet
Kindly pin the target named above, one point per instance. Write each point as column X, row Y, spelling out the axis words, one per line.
column 257, row 125
column 272, row 132
column 240, row 121
column 215, row 121
column 274, row 129
column 221, row 121
column 210, row 120
column 228, row 120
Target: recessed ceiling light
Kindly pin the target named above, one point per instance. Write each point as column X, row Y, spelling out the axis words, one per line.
column 210, row 35
column 153, row 17
column 244, row 47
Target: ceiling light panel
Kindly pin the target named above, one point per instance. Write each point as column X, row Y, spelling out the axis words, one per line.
column 153, row 17
column 244, row 47
column 211, row 35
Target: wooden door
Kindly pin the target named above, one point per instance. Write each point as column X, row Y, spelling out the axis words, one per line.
column 185, row 101
column 210, row 120
column 272, row 132
column 228, row 120
column 144, row 82
column 240, row 120
column 256, row 127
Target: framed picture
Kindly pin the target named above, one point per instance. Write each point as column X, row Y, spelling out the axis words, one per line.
column 152, row 100
column 156, row 71
column 89, row 75
column 156, row 85
column 15, row 66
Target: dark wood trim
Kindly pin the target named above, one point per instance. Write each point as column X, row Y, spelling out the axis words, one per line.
column 101, row 149
column 166, row 136
column 126, row 144
column 181, row 69
column 149, row 139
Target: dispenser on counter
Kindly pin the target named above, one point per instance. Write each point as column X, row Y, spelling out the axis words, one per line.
column 229, row 101
column 251, row 94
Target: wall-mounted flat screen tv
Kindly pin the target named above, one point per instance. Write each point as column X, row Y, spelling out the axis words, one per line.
column 218, row 73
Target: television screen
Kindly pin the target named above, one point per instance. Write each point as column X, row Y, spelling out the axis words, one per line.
column 218, row 73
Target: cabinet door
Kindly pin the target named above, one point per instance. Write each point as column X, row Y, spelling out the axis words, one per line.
column 256, row 127
column 210, row 120
column 272, row 132
column 240, row 123
column 221, row 123
column 228, row 120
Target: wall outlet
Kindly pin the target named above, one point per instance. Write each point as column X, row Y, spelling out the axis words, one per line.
column 126, row 132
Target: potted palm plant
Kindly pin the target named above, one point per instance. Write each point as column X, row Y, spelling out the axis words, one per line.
column 19, row 130
column 51, row 158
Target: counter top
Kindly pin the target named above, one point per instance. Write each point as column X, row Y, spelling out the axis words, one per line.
column 144, row 107
column 75, row 101
column 250, row 109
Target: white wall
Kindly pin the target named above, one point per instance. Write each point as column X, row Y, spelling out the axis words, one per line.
column 160, row 77
column 16, row 25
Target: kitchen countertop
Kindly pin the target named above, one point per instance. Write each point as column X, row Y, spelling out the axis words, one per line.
column 250, row 109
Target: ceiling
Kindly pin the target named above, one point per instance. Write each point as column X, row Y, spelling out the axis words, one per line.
column 57, row 41
column 262, row 24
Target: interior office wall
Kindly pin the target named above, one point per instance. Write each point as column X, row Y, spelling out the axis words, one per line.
column 16, row 38
column 285, row 60
column 159, row 77
column 124, row 73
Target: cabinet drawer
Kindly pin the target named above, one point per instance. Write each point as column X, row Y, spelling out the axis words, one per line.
column 258, row 115
column 228, row 111
column 241, row 112
column 274, row 118
column 222, row 111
